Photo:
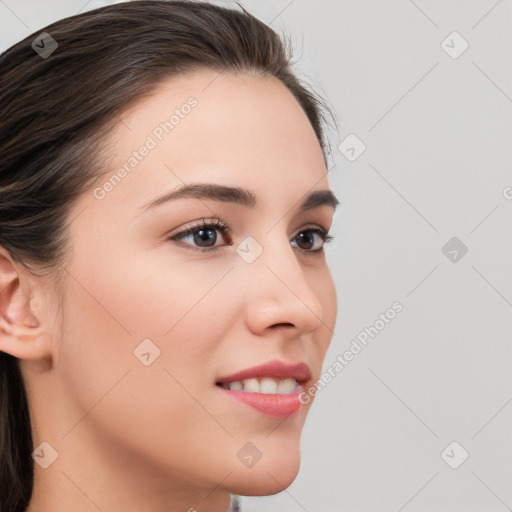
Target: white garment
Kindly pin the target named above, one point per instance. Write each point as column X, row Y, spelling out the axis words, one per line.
column 234, row 504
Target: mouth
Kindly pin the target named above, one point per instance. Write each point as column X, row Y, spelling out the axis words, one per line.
column 272, row 389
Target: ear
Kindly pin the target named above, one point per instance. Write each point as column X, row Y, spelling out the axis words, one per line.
column 22, row 332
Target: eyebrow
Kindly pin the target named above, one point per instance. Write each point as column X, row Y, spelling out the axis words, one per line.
column 238, row 195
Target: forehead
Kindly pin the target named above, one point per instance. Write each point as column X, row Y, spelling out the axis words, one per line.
column 217, row 127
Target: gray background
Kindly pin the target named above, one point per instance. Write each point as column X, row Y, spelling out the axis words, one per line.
column 437, row 164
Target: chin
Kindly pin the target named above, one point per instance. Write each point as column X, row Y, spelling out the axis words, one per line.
column 267, row 477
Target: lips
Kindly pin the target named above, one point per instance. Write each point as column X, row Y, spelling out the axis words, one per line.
column 272, row 389
column 274, row 370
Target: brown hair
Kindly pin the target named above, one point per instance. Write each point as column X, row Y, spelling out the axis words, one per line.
column 56, row 108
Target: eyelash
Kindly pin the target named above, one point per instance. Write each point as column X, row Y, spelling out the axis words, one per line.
column 224, row 228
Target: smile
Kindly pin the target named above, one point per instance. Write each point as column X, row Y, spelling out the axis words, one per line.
column 272, row 389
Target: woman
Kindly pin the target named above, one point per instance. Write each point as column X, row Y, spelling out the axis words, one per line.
column 165, row 300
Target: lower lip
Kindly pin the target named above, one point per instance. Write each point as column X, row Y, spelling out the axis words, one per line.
column 274, row 405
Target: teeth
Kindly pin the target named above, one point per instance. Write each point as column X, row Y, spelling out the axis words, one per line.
column 251, row 385
column 266, row 385
column 286, row 386
column 236, row 385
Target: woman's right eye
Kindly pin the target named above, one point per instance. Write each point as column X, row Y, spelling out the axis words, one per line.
column 200, row 234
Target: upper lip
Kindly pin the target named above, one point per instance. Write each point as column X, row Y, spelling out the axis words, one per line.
column 273, row 369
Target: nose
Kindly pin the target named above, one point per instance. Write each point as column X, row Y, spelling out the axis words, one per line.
column 279, row 293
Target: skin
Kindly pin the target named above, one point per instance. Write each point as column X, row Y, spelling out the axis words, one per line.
column 132, row 437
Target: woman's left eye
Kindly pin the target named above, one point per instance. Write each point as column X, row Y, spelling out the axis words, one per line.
column 205, row 236
column 306, row 236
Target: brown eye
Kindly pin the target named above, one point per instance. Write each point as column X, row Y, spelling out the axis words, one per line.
column 307, row 240
column 203, row 235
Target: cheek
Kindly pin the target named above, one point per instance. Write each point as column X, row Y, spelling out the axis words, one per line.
column 112, row 308
column 149, row 295
column 107, row 314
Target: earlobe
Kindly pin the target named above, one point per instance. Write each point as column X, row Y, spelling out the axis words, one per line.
column 21, row 333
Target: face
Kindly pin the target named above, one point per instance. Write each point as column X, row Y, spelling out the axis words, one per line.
column 157, row 323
